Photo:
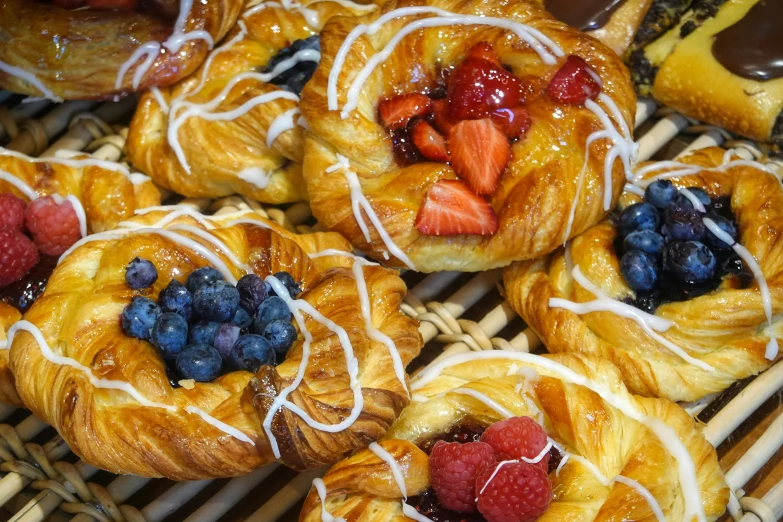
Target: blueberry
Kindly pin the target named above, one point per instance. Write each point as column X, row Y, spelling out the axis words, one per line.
column 725, row 225
column 252, row 290
column 177, row 299
column 216, row 301
column 660, row 193
column 272, row 309
column 199, row 362
column 139, row 317
column 639, row 216
column 203, row 332
column 140, row 273
column 722, row 206
column 682, row 222
column 225, row 338
column 639, row 271
column 646, row 241
column 242, row 319
column 701, row 195
column 201, row 276
column 281, row 335
column 735, row 267
column 251, row 352
column 294, row 78
column 170, row 334
column 289, row 282
column 689, row 261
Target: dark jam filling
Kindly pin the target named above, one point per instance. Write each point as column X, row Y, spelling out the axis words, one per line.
column 294, row 78
column 22, row 294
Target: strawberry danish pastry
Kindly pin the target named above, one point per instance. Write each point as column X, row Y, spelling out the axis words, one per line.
column 234, row 125
column 682, row 290
column 187, row 346
column 464, row 135
column 509, row 436
column 98, row 49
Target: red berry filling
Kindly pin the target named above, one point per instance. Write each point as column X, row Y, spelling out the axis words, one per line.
column 469, row 119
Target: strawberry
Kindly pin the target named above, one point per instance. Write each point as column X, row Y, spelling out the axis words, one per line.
column 574, row 83
column 450, row 208
column 453, row 471
column 441, row 113
column 480, row 84
column 431, row 144
column 513, row 122
column 517, row 437
column 518, row 492
column 396, row 112
column 479, row 153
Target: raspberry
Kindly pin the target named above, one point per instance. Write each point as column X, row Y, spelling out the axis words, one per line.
column 17, row 256
column 453, row 471
column 54, row 227
column 11, row 212
column 519, row 492
column 515, row 438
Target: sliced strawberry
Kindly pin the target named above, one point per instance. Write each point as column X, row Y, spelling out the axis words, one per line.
column 480, row 85
column 396, row 112
column 450, row 208
column 513, row 122
column 442, row 116
column 574, row 83
column 431, row 144
column 479, row 152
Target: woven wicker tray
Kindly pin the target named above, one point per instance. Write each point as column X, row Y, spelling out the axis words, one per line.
column 43, row 480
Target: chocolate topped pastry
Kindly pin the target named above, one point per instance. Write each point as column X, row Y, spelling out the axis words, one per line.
column 586, row 15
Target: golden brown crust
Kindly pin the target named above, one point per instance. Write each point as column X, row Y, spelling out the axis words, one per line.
column 619, row 31
column 108, row 196
column 580, row 420
column 726, row 328
column 536, row 191
column 78, row 316
column 8, row 316
column 218, row 151
column 77, row 54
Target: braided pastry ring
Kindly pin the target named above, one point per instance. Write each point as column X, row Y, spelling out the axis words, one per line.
column 538, row 189
column 726, row 329
column 229, row 426
column 595, row 422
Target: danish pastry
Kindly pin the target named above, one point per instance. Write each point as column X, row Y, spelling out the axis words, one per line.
column 138, row 352
column 610, row 455
column 680, row 291
column 8, row 316
column 234, row 126
column 74, row 49
column 426, row 152
column 722, row 64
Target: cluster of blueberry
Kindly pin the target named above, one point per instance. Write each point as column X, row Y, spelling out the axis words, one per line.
column 294, row 78
column 668, row 253
column 208, row 326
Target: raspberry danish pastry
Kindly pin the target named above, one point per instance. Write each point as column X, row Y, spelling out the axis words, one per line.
column 681, row 290
column 464, row 135
column 93, row 49
column 8, row 316
column 234, row 126
column 510, row 436
column 187, row 346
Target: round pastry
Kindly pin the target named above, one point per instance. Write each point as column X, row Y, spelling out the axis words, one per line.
column 680, row 290
column 234, row 126
column 547, row 438
column 464, row 135
column 93, row 49
column 153, row 349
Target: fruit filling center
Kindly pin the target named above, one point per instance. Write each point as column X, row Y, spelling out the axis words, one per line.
column 294, row 65
column 667, row 252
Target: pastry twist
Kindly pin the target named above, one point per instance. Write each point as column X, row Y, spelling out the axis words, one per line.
column 8, row 316
column 725, row 333
column 538, row 191
column 93, row 54
column 255, row 146
column 74, row 364
column 614, row 445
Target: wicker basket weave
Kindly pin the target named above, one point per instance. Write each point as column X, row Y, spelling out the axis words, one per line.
column 43, row 480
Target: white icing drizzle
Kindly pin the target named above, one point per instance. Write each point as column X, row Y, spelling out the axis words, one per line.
column 633, row 189
column 360, row 202
column 497, row 468
column 222, row 426
column 644, row 493
column 173, row 212
column 481, row 397
column 766, row 300
column 297, row 307
column 320, row 488
column 101, row 236
column 311, row 17
column 393, row 466
column 686, row 467
column 220, row 245
column 20, row 185
column 693, row 199
column 543, row 45
column 684, row 169
column 280, row 124
column 256, row 176
column 160, row 100
column 31, row 79
column 151, row 50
